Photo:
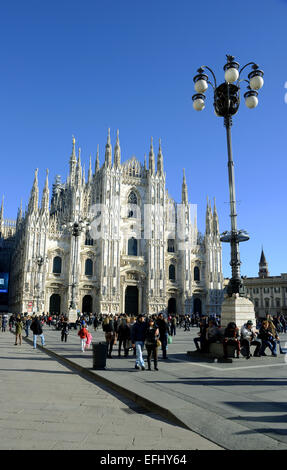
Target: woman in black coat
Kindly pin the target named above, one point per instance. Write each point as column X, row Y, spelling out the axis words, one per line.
column 151, row 344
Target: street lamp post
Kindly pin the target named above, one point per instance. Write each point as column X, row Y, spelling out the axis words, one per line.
column 40, row 262
column 75, row 228
column 226, row 104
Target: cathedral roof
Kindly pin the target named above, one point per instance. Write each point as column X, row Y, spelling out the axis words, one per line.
column 133, row 168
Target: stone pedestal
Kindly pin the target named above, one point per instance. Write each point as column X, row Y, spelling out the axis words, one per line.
column 72, row 315
column 237, row 309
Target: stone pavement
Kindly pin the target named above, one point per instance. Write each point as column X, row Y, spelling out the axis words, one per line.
column 45, row 405
column 237, row 406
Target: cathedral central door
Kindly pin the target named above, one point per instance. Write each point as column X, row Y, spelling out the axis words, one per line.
column 87, row 304
column 55, row 304
column 132, row 300
column 171, row 308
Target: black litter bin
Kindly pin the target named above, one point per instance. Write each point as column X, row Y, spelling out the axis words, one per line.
column 99, row 355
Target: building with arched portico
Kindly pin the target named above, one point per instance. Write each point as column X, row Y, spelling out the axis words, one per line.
column 115, row 242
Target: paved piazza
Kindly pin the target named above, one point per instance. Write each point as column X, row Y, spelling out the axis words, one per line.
column 52, row 399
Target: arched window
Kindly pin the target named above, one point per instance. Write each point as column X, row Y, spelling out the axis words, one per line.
column 89, row 240
column 267, row 303
column 132, row 247
column 132, row 201
column 171, row 272
column 88, row 267
column 170, row 246
column 57, row 265
column 196, row 273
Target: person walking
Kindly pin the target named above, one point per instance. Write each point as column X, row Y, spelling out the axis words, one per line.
column 173, row 326
column 64, row 330
column 96, row 322
column 138, row 333
column 18, row 329
column 163, row 333
column 110, row 334
column 4, row 323
column 83, row 334
column 151, row 343
column 27, row 324
column 37, row 329
column 123, row 335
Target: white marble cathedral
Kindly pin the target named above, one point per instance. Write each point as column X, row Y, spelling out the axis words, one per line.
column 114, row 243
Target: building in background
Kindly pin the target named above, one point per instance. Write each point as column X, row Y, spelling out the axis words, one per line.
column 115, row 242
column 7, row 239
column 268, row 293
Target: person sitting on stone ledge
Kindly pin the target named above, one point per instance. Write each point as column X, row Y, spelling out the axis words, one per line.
column 212, row 332
column 268, row 340
column 273, row 331
column 249, row 337
column 202, row 337
column 231, row 336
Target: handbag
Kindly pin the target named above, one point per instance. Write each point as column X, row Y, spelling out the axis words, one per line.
column 158, row 343
column 169, row 340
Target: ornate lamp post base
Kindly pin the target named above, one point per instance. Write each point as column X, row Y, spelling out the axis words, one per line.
column 237, row 309
column 72, row 315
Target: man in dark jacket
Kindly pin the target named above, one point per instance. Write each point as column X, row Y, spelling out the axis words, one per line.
column 37, row 329
column 138, row 335
column 163, row 333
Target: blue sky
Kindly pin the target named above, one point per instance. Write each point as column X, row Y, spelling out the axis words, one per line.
column 80, row 67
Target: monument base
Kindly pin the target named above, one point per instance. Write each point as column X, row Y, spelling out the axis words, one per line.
column 238, row 310
column 72, row 315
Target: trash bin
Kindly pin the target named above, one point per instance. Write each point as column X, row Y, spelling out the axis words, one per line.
column 99, row 355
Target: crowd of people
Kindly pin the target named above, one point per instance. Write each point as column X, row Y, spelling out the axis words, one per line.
column 125, row 334
column 265, row 334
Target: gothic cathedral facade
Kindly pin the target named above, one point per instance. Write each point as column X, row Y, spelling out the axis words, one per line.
column 114, row 243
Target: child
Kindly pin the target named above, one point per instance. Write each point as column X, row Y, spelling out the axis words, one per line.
column 89, row 340
column 83, row 333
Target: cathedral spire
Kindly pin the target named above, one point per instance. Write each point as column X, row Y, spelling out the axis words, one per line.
column 208, row 218
column 84, row 176
column 73, row 161
column 97, row 166
column 46, row 194
column 34, row 197
column 2, row 209
column 79, row 170
column 151, row 158
column 108, row 153
column 90, row 174
column 117, row 153
column 21, row 210
column 160, row 160
column 184, row 196
column 215, row 220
